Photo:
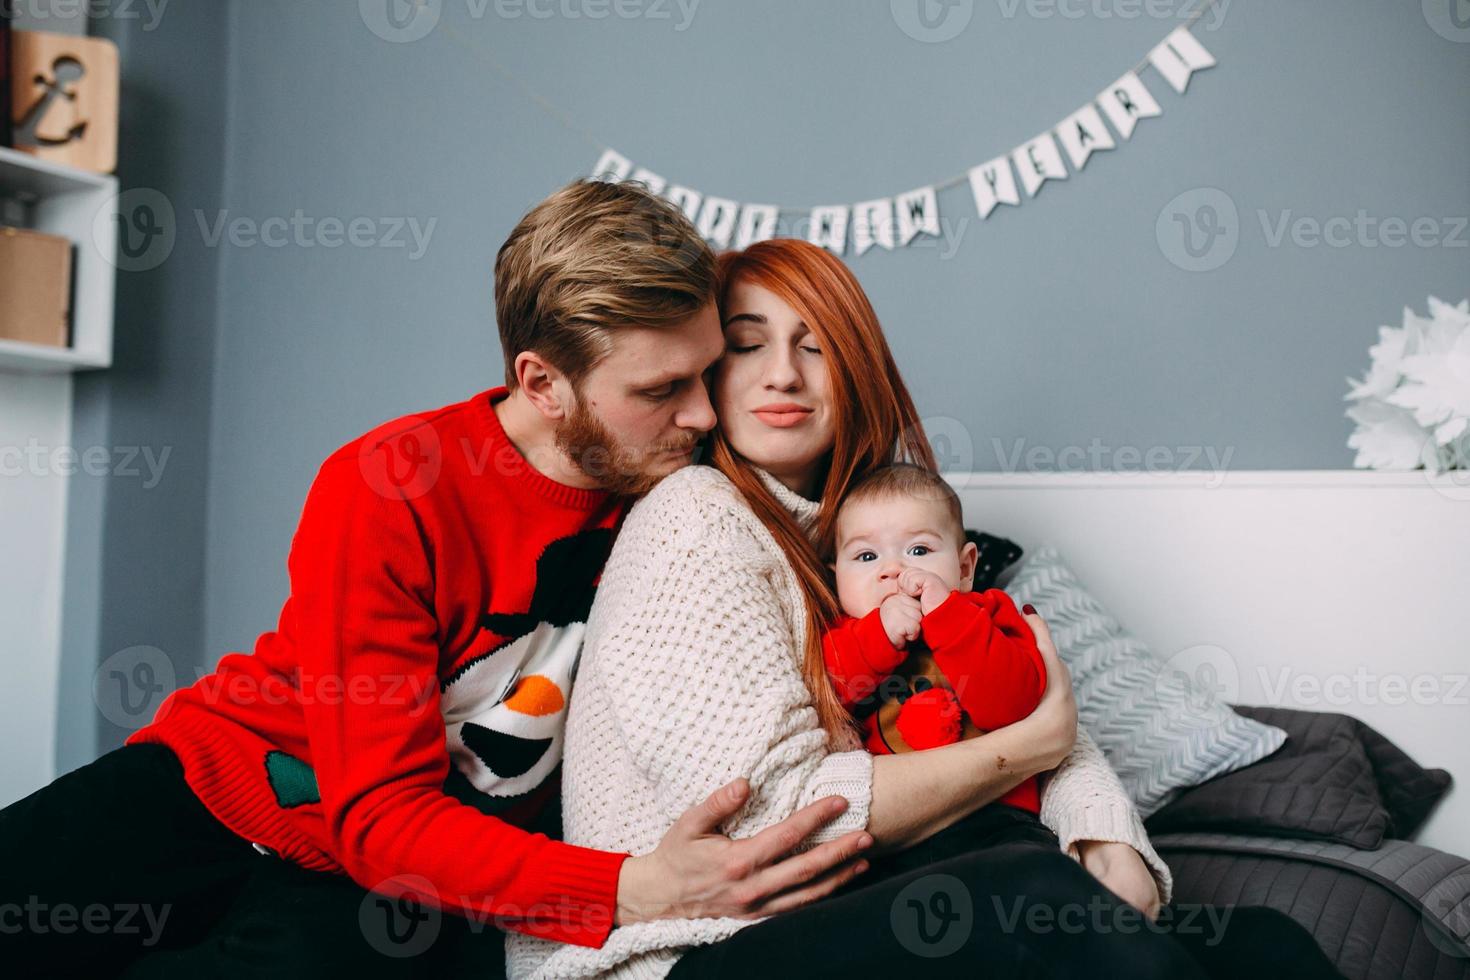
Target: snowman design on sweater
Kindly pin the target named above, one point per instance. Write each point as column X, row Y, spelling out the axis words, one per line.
column 505, row 711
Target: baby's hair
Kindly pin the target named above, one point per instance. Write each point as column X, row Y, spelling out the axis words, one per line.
column 910, row 480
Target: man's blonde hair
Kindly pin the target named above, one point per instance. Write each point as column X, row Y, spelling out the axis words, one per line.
column 591, row 258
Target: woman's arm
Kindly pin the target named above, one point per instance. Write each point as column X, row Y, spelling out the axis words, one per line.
column 918, row 794
column 691, row 651
column 1084, row 804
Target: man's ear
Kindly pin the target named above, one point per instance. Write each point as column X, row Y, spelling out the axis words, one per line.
column 544, row 386
column 969, row 558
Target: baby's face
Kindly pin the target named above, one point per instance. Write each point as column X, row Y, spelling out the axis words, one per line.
column 878, row 538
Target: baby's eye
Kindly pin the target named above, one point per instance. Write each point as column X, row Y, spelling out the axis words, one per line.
column 920, row 550
column 864, row 556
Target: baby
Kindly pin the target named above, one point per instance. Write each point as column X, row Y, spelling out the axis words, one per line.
column 920, row 659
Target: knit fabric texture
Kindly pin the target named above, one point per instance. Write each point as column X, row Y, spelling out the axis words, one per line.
column 690, row 677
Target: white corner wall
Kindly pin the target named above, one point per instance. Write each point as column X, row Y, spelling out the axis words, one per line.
column 35, row 421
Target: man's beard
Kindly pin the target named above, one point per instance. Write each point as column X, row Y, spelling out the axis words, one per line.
column 597, row 453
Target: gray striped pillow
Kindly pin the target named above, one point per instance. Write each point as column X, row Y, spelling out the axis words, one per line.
column 1158, row 732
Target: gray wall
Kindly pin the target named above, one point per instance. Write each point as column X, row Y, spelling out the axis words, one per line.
column 135, row 545
column 1058, row 323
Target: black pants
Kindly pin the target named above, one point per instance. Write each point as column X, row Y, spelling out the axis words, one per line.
column 993, row 895
column 117, row 869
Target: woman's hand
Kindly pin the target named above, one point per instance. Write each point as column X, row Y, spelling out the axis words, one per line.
column 1122, row 871
column 1054, row 722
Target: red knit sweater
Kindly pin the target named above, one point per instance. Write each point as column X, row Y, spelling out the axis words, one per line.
column 433, row 573
column 980, row 642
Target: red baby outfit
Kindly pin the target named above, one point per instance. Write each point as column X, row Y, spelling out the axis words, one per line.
column 986, row 651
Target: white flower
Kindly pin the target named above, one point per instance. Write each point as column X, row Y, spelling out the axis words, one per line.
column 1384, row 371
column 1413, row 406
column 1387, row 437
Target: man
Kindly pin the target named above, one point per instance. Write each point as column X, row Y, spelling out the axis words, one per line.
column 400, row 729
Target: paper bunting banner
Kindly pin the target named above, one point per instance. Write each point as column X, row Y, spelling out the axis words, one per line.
column 757, row 223
column 1125, row 102
column 1179, row 57
column 894, row 222
column 686, row 200
column 872, row 224
column 993, row 183
column 829, row 228
column 1037, row 162
column 717, row 220
column 1082, row 133
column 917, row 211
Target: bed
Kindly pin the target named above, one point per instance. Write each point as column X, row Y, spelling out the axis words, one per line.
column 1333, row 601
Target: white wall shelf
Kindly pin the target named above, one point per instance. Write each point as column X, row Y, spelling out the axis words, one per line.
column 66, row 201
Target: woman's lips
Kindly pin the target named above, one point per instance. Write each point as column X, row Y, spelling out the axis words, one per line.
column 782, row 419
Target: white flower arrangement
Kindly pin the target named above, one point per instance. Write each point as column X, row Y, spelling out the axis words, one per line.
column 1413, row 408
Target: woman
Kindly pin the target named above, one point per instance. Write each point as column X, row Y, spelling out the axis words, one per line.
column 702, row 663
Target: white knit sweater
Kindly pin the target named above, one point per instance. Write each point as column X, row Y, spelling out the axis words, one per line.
column 691, row 677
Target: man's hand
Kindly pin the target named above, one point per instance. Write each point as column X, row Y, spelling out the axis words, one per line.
column 900, row 614
column 697, row 872
column 1121, row 870
column 926, row 586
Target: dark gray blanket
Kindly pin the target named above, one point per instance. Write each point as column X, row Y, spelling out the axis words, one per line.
column 1400, row 912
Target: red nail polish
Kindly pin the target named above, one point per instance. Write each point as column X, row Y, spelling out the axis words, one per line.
column 1029, row 609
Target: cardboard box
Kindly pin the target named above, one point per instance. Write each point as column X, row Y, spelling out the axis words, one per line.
column 35, row 287
column 64, row 99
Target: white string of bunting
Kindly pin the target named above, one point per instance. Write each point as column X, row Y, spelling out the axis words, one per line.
column 894, row 222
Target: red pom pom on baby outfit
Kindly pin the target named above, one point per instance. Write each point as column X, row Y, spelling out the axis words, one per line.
column 930, row 718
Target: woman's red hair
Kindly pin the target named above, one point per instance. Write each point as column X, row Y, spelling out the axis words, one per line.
column 874, row 423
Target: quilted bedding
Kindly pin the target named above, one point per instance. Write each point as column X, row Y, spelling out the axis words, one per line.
column 1399, row 912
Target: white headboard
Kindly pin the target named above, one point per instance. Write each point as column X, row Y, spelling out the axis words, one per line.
column 1342, row 591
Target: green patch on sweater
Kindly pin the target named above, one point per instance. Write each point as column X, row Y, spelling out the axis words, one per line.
column 291, row 780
